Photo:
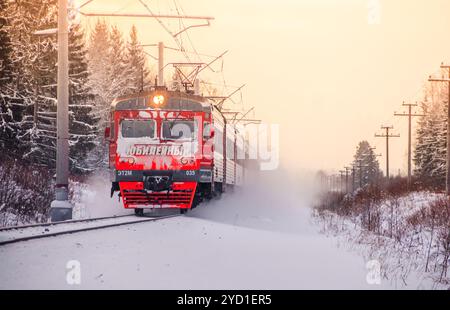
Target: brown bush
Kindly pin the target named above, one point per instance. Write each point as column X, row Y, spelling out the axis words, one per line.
column 397, row 186
column 331, row 201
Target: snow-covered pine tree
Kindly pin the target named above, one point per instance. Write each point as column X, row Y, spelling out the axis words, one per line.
column 34, row 75
column 431, row 143
column 5, row 48
column 83, row 126
column 109, row 71
column 440, row 156
column 83, row 130
column 6, row 134
column 24, row 17
column 40, row 140
column 137, row 60
column 369, row 162
column 119, row 70
column 421, row 152
column 98, row 55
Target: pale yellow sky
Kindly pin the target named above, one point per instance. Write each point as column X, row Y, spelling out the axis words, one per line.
column 316, row 67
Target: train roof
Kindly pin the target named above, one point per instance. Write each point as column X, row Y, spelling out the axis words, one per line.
column 174, row 100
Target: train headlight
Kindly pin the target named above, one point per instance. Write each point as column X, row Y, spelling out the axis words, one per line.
column 128, row 160
column 158, row 99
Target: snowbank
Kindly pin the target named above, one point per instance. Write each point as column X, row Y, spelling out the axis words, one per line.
column 397, row 232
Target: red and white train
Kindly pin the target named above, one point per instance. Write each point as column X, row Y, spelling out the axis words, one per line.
column 171, row 149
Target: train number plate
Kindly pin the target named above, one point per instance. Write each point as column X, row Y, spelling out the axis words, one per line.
column 124, row 173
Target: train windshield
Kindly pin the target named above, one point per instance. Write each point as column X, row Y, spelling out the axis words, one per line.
column 179, row 130
column 138, row 128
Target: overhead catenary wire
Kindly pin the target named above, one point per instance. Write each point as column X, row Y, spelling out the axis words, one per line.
column 178, row 9
column 177, row 37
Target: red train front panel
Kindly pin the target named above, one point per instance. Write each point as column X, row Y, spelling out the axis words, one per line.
column 156, row 156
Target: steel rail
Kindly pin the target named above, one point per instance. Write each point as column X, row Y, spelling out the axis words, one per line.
column 72, row 231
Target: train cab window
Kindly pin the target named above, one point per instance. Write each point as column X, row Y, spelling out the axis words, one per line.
column 179, row 130
column 137, row 128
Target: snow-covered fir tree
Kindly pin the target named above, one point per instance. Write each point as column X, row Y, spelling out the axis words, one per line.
column 83, row 130
column 431, row 143
column 137, row 61
column 27, row 52
column 366, row 158
column 32, row 93
column 111, row 73
column 120, row 72
column 422, row 153
column 5, row 47
column 6, row 134
column 83, row 126
column 98, row 54
column 117, row 67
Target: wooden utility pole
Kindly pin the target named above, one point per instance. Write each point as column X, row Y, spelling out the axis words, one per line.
column 160, row 64
column 353, row 178
column 387, row 135
column 410, row 115
column 447, row 183
column 333, row 182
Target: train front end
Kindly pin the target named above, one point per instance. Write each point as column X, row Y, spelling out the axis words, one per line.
column 156, row 150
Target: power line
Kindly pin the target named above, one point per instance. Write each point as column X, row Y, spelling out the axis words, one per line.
column 157, row 16
column 410, row 115
column 387, row 135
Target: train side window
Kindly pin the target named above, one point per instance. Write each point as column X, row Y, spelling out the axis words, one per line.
column 206, row 130
column 230, row 148
column 137, row 128
column 218, row 140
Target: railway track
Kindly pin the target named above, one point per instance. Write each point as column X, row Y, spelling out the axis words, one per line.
column 14, row 234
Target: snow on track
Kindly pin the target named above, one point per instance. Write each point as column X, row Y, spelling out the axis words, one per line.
column 24, row 233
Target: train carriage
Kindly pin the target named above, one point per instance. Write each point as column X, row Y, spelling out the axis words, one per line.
column 170, row 149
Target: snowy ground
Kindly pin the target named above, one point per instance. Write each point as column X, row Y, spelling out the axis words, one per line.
column 401, row 237
column 262, row 239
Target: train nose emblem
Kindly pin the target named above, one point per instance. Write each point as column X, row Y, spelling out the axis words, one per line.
column 157, row 183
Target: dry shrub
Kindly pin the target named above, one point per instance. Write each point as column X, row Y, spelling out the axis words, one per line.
column 26, row 192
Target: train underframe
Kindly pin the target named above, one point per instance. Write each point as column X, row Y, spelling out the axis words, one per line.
column 165, row 194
